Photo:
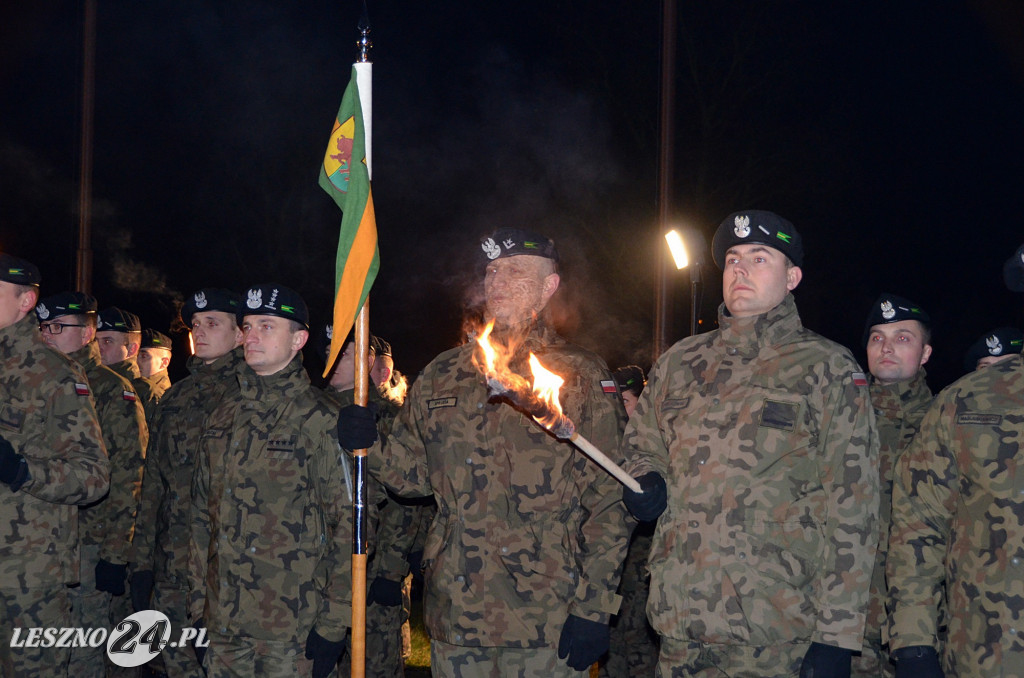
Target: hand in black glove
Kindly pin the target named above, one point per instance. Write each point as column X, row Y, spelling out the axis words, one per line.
column 583, row 642
column 385, row 592
column 199, row 649
column 917, row 661
column 826, row 661
column 324, row 653
column 13, row 469
column 110, row 577
column 357, row 427
column 650, row 503
column 141, row 584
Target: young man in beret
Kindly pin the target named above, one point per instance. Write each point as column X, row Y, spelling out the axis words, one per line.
column 994, row 347
column 119, row 334
column 154, row 359
column 897, row 335
column 270, row 554
column 52, row 460
column 958, row 527
column 162, row 532
column 105, row 528
column 756, row 449
column 522, row 562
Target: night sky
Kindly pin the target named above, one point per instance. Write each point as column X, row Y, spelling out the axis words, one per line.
column 889, row 133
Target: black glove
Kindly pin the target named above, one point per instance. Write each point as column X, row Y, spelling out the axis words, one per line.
column 917, row 661
column 826, row 661
column 583, row 642
column 13, row 469
column 142, row 588
column 385, row 592
column 357, row 427
column 324, row 653
column 199, row 650
column 650, row 503
column 110, row 577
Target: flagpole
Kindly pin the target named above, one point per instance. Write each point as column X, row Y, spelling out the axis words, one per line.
column 364, row 79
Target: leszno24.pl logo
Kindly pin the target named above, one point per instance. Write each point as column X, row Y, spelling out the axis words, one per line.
column 133, row 642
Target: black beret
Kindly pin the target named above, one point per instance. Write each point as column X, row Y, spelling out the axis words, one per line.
column 890, row 308
column 155, row 339
column 761, row 227
column 65, row 303
column 212, row 299
column 18, row 271
column 630, row 378
column 1000, row 341
column 510, row 242
column 277, row 300
column 1013, row 271
column 114, row 319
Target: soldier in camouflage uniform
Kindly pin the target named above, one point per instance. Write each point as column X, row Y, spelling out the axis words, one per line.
column 393, row 526
column 897, row 335
column 52, row 460
column 119, row 334
column 957, row 528
column 270, row 554
column 633, row 651
column 162, row 534
column 68, row 324
column 522, row 561
column 756, row 445
column 153, row 360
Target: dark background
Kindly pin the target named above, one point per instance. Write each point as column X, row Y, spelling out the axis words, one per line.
column 890, row 133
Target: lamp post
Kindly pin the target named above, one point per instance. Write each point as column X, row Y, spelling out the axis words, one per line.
column 692, row 261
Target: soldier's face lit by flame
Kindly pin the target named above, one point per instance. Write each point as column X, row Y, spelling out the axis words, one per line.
column 214, row 334
column 756, row 279
column 153, row 360
column 114, row 347
column 270, row 342
column 897, row 350
column 517, row 288
column 15, row 302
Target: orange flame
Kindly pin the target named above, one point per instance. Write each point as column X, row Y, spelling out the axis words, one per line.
column 489, row 354
column 545, row 386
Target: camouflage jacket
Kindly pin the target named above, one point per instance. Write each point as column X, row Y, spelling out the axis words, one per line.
column 528, row 529
column 764, row 433
column 270, row 554
column 110, row 522
column 48, row 416
column 162, row 534
column 958, row 518
column 159, row 382
column 899, row 409
column 129, row 369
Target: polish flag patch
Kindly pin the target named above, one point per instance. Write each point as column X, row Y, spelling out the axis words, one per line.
column 859, row 379
column 608, row 386
column 128, row 395
column 82, row 389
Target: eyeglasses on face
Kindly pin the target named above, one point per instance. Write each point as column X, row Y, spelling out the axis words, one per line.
column 57, row 328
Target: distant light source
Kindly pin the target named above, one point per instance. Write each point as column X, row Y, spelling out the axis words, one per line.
column 677, row 248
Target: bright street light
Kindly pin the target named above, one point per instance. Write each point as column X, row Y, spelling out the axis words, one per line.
column 677, row 248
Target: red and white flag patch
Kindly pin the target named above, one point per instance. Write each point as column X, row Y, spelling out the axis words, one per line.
column 608, row 386
column 128, row 395
column 859, row 379
column 82, row 389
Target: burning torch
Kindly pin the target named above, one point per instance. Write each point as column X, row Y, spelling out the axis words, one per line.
column 541, row 402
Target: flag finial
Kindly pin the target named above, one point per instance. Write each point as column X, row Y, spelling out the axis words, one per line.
column 364, row 36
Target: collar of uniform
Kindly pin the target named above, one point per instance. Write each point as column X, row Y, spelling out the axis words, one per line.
column 127, row 368
column 281, row 384
column 88, row 356
column 892, row 399
column 221, row 367
column 746, row 336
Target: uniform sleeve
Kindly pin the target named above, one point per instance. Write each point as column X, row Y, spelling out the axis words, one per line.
column 400, row 463
column 199, row 539
column 335, row 612
column 126, row 435
column 924, row 499
column 144, row 541
column 69, row 463
column 643, row 448
column 604, row 532
column 397, row 533
column 848, row 449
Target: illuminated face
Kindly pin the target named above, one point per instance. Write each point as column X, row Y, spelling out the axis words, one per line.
column 517, row 288
column 629, row 400
column 113, row 347
column 15, row 303
column 380, row 371
column 153, row 360
column 214, row 334
column 70, row 337
column 270, row 343
column 756, row 279
column 897, row 350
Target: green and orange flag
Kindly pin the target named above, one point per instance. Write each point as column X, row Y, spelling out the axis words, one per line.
column 346, row 178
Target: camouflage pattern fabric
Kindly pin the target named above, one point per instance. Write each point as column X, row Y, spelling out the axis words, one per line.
column 455, row 661
column 633, row 651
column 270, row 554
column 47, row 415
column 159, row 382
column 528, row 529
column 899, row 409
column 958, row 518
column 46, row 607
column 688, row 659
column 764, row 433
column 129, row 369
column 242, row 657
